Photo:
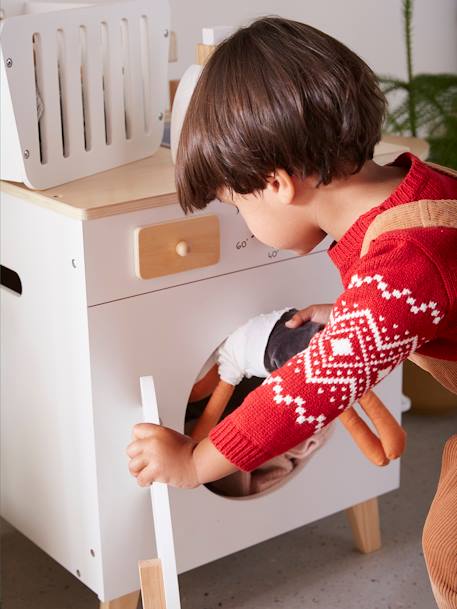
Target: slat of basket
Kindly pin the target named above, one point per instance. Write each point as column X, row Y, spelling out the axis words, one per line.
column 73, row 109
column 126, row 61
column 17, row 42
column 27, row 113
column 114, row 87
column 51, row 129
column 146, row 73
column 94, row 94
column 157, row 67
column 136, row 86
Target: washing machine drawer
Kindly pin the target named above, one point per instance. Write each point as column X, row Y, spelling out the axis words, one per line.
column 169, row 335
column 176, row 246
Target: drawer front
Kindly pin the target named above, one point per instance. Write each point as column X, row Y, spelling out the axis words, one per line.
column 176, row 246
column 135, row 253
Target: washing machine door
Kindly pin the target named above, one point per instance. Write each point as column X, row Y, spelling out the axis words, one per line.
column 163, row 526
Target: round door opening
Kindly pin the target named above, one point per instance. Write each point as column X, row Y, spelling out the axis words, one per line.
column 212, row 399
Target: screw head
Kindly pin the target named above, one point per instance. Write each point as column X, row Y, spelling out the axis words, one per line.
column 26, row 154
column 9, row 62
column 166, row 33
column 160, row 117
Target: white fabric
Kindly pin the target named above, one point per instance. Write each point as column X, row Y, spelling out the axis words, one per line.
column 242, row 353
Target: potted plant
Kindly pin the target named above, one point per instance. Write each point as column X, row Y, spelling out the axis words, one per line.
column 424, row 104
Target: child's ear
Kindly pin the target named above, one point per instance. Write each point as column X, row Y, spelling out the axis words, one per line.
column 281, row 185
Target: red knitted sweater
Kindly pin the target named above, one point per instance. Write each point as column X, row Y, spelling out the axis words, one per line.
column 399, row 298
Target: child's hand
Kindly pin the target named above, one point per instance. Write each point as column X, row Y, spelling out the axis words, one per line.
column 318, row 313
column 160, row 454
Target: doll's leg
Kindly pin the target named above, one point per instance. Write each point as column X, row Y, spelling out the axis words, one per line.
column 439, row 539
column 364, row 521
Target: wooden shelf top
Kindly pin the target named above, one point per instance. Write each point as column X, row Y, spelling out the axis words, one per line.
column 148, row 183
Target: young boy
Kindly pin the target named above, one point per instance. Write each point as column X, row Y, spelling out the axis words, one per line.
column 282, row 124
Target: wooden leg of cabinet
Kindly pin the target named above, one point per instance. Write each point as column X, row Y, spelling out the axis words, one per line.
column 129, row 601
column 364, row 521
column 152, row 585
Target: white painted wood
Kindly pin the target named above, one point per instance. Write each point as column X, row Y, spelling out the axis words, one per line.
column 114, row 86
column 82, row 67
column 216, row 34
column 163, row 525
column 169, row 334
column 136, row 106
column 11, row 164
column 71, row 84
column 93, row 88
column 109, row 251
column 48, row 468
column 48, row 85
column 34, row 7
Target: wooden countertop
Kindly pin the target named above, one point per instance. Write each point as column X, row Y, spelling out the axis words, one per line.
column 148, row 183
column 139, row 185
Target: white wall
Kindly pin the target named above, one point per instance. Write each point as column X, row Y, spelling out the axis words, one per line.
column 371, row 28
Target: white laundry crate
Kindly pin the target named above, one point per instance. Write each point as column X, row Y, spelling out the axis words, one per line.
column 82, row 89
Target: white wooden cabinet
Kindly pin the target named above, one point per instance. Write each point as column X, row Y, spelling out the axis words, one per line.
column 84, row 330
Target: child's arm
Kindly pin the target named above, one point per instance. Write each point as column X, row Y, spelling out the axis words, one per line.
column 210, row 464
column 395, row 302
column 160, row 454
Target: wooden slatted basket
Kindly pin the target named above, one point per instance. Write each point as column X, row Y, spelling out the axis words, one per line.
column 83, row 89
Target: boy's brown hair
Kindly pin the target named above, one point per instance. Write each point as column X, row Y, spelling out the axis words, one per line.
column 276, row 94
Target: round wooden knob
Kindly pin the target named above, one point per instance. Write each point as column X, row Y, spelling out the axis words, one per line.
column 182, row 248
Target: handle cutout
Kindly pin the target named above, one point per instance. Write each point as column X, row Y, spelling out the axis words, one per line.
column 10, row 279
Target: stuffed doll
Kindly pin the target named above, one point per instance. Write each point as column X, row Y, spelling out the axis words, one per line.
column 256, row 349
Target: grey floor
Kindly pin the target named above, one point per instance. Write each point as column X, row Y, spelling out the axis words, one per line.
column 311, row 567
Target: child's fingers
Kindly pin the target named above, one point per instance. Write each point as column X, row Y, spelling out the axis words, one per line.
column 391, row 433
column 362, row 435
column 318, row 313
column 133, row 449
column 300, row 317
column 143, row 430
column 136, row 465
column 145, row 477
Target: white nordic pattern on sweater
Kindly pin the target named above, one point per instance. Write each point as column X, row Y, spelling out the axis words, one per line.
column 382, row 286
column 354, row 352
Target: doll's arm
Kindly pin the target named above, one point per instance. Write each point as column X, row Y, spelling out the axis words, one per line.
column 213, row 410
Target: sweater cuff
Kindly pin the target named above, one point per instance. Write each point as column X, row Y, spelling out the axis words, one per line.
column 239, row 450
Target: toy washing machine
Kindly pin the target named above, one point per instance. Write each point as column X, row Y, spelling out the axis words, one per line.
column 96, row 295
